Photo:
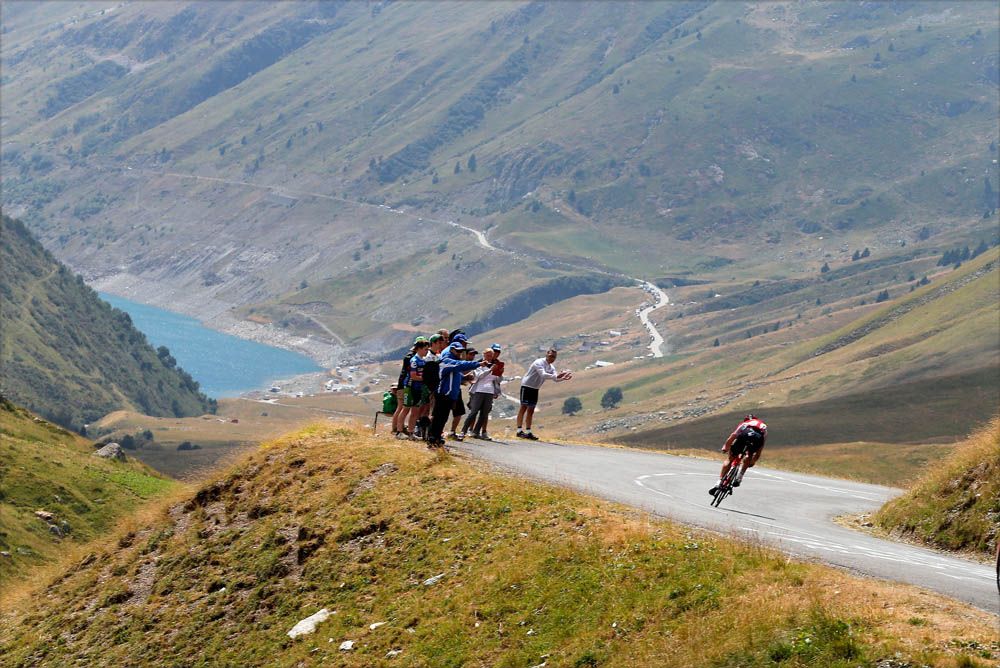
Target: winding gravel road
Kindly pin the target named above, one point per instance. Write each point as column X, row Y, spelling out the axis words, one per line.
column 660, row 300
column 659, row 296
column 791, row 511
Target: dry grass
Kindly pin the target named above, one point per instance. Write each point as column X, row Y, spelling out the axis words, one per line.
column 532, row 574
column 956, row 504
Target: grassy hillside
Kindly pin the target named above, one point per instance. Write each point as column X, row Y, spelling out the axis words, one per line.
column 70, row 356
column 429, row 561
column 956, row 503
column 45, row 468
column 274, row 156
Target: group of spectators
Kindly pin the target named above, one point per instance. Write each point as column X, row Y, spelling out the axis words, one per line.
column 429, row 389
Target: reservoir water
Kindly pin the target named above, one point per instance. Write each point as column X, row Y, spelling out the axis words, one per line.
column 224, row 365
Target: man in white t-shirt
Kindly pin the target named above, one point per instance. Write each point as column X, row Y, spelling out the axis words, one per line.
column 539, row 371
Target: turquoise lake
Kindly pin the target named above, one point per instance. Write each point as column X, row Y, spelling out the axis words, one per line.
column 224, row 365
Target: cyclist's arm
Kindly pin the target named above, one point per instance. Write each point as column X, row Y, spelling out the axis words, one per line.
column 730, row 441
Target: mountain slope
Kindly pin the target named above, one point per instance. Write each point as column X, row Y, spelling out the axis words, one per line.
column 423, row 560
column 956, row 504
column 653, row 139
column 920, row 366
column 45, row 468
column 70, row 356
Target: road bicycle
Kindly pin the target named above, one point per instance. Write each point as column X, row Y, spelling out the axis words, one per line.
column 725, row 487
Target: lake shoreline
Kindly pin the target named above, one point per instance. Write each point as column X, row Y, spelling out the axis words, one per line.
column 217, row 315
column 237, row 366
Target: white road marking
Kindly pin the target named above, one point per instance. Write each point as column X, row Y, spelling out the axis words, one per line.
column 816, row 542
column 838, row 490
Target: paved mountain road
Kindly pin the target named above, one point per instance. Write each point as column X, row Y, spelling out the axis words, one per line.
column 791, row 511
column 660, row 300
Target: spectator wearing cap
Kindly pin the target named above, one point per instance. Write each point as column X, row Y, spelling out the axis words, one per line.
column 449, row 389
column 432, row 375
column 485, row 389
column 456, row 348
column 415, row 395
column 399, row 417
column 438, row 343
column 458, row 407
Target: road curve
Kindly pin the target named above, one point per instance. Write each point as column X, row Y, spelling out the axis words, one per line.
column 791, row 511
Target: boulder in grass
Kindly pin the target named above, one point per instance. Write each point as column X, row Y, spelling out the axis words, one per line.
column 308, row 625
column 112, row 451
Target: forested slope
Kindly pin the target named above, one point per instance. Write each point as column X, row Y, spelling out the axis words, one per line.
column 68, row 355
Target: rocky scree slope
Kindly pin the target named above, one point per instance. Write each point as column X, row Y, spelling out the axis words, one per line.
column 249, row 151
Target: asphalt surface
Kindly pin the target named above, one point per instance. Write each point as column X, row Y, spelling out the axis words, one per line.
column 791, row 511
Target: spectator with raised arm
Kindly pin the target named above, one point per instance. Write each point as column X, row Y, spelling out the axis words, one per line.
column 541, row 369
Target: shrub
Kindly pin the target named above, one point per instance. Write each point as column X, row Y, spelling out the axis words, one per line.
column 571, row 406
column 612, row 397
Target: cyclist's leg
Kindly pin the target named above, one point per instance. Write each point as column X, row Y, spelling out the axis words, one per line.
column 749, row 461
column 728, row 464
column 743, row 468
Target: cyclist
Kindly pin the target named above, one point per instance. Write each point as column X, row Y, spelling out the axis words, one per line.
column 748, row 436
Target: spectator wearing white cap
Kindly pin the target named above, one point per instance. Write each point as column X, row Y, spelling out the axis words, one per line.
column 485, row 389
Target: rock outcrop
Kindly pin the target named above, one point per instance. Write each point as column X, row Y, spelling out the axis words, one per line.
column 111, row 451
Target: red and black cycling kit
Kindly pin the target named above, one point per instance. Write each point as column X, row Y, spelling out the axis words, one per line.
column 749, row 435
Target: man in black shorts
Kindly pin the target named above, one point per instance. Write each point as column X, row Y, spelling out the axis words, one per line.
column 539, row 371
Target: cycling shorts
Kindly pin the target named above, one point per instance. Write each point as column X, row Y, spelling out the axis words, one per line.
column 751, row 446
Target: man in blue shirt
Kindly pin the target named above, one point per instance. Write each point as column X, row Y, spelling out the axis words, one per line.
column 449, row 388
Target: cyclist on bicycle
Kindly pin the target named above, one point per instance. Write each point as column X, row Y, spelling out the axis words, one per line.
column 748, row 436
